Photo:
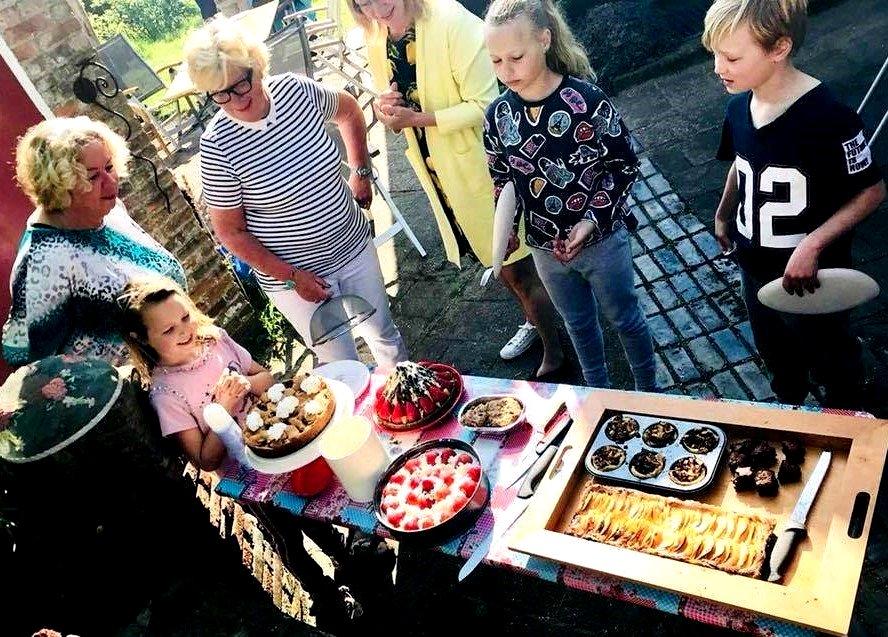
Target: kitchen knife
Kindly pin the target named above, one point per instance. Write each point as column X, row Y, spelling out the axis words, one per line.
column 795, row 527
column 529, row 459
column 503, row 523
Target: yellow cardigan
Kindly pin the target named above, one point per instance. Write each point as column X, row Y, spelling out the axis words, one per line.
column 455, row 81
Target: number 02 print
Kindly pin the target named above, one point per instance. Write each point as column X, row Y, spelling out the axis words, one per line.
column 796, row 203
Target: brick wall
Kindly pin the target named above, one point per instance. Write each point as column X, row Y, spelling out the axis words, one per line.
column 49, row 38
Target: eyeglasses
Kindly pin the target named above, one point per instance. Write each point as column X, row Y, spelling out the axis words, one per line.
column 241, row 87
column 363, row 6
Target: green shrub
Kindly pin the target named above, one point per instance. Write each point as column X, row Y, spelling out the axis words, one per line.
column 141, row 19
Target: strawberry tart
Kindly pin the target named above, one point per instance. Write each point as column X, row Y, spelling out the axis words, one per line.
column 431, row 487
column 416, row 394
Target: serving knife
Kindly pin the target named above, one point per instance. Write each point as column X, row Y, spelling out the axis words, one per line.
column 795, row 527
column 533, row 451
column 503, row 523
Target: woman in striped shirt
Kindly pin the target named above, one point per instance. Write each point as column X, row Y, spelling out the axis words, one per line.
column 275, row 193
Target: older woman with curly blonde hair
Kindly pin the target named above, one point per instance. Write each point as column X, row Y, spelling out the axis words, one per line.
column 79, row 248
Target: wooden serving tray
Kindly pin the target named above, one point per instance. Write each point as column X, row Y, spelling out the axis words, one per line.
column 820, row 585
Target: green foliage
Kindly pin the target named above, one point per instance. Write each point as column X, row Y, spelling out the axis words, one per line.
column 150, row 20
column 279, row 332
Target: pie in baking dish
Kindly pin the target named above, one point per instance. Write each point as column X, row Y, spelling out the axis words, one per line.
column 683, row 530
column 289, row 416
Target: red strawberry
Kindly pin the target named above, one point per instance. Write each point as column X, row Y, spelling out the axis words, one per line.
column 447, row 478
column 442, row 492
column 427, row 502
column 426, row 522
column 414, row 482
column 384, row 409
column 412, row 464
column 468, row 487
column 411, row 413
column 398, row 477
column 463, row 458
column 411, row 525
column 447, row 454
column 438, row 394
column 427, row 484
column 474, row 472
column 431, row 457
column 426, row 405
column 413, row 498
column 459, row 501
column 398, row 414
column 395, row 516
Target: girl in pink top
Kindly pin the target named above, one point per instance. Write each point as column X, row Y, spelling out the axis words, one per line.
column 190, row 362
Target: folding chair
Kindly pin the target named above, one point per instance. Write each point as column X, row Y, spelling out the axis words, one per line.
column 866, row 99
column 139, row 82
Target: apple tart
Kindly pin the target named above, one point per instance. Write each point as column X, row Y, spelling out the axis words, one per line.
column 683, row 530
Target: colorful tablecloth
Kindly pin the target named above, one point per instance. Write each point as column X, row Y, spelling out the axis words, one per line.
column 500, row 454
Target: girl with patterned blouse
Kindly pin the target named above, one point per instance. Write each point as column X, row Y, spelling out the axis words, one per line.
column 80, row 247
column 560, row 141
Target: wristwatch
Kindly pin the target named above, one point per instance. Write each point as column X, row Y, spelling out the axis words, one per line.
column 365, row 172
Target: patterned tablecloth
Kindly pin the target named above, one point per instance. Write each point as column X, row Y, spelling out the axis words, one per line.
column 499, row 454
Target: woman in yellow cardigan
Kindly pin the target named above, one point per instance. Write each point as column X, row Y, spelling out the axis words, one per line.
column 435, row 78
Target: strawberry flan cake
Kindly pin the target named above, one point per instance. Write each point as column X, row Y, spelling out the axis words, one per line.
column 416, row 394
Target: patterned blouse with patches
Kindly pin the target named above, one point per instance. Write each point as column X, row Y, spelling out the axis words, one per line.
column 569, row 156
column 65, row 285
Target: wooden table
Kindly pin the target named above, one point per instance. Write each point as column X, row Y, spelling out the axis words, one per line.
column 500, row 456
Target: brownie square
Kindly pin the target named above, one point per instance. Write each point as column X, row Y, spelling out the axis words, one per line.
column 763, row 456
column 766, row 482
column 789, row 472
column 743, row 479
column 794, row 451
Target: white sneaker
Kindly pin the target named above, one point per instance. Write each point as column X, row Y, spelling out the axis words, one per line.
column 520, row 343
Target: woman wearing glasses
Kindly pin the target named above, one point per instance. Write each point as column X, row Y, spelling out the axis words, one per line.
column 435, row 77
column 276, row 197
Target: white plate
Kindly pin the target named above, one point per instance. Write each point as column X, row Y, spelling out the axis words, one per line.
column 353, row 373
column 345, row 406
column 495, row 431
column 840, row 289
column 503, row 223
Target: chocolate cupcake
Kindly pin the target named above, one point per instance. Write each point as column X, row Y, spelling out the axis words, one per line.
column 789, row 472
column 744, row 479
column 647, row 464
column 766, row 482
column 738, row 459
column 700, row 440
column 794, row 451
column 660, row 434
column 763, row 455
column 621, row 428
column 687, row 470
column 608, row 457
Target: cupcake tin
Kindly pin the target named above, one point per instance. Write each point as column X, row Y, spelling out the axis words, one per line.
column 671, row 452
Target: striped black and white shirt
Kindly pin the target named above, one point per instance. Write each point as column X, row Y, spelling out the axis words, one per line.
column 285, row 172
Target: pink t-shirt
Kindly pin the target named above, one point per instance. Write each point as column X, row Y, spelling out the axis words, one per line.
column 179, row 393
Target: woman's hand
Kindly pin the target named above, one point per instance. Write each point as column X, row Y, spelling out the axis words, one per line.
column 230, row 391
column 801, row 270
column 310, row 287
column 566, row 250
column 392, row 111
column 362, row 189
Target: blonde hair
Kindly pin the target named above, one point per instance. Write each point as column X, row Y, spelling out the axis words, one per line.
column 565, row 55
column 769, row 21
column 414, row 9
column 141, row 294
column 48, row 166
column 215, row 52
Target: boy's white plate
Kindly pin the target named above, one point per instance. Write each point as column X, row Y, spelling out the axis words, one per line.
column 840, row 289
column 353, row 373
column 345, row 406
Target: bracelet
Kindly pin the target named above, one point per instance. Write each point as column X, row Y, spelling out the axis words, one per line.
column 365, row 172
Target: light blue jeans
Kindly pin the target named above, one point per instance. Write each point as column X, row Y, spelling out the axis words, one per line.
column 601, row 276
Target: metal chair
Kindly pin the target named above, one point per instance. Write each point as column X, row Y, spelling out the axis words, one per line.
column 866, row 99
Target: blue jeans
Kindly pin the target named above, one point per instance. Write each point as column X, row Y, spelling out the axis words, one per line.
column 600, row 275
